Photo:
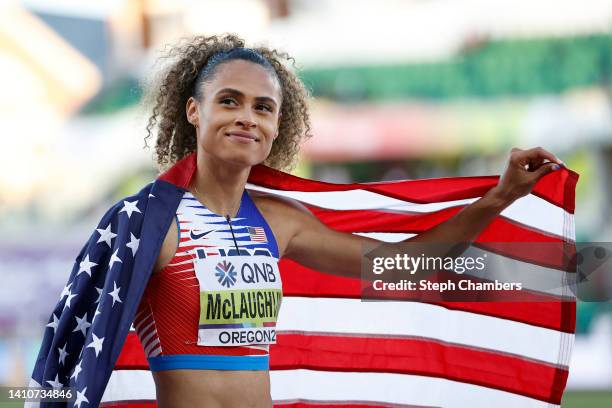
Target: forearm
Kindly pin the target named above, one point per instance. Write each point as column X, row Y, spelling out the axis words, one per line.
column 468, row 223
column 342, row 254
column 450, row 238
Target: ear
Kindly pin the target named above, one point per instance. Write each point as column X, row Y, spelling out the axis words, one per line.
column 191, row 110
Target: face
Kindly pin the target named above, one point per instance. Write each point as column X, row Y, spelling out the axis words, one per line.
column 239, row 113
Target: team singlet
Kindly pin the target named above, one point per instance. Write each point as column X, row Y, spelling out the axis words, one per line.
column 219, row 295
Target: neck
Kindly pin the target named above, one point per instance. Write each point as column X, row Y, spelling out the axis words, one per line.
column 217, row 185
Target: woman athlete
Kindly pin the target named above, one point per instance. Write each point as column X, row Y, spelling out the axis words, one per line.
column 233, row 108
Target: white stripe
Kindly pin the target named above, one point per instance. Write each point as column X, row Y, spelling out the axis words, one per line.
column 137, row 317
column 538, row 213
column 125, row 385
column 422, row 320
column 530, row 210
column 138, row 327
column 33, row 383
column 183, row 272
column 151, row 345
column 153, row 332
column 338, row 200
column 392, row 389
column 182, row 262
column 386, row 236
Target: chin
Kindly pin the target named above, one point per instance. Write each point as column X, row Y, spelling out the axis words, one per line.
column 244, row 161
column 235, row 156
column 244, row 158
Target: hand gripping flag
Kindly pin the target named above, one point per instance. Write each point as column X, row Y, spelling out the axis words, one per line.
column 332, row 349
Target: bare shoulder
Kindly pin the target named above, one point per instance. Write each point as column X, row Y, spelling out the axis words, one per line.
column 285, row 216
column 277, row 205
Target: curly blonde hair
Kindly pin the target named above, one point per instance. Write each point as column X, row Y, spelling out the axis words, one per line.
column 176, row 82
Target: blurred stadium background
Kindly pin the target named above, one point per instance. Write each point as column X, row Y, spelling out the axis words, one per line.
column 403, row 89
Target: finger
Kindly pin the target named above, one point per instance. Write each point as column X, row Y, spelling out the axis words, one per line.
column 545, row 169
column 540, row 153
column 516, row 156
column 524, row 160
column 534, row 164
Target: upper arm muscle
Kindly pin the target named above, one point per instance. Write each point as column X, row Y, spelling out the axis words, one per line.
column 303, row 238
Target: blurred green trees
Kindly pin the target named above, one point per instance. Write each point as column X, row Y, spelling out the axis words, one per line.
column 492, row 68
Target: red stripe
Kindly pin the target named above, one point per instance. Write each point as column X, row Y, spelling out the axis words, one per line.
column 424, row 357
column 502, row 236
column 553, row 187
column 301, row 281
column 501, row 230
column 130, row 404
column 132, row 355
column 559, row 190
column 556, row 187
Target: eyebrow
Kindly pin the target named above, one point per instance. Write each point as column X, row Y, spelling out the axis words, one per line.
column 236, row 92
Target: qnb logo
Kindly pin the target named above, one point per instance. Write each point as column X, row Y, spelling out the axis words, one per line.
column 226, row 274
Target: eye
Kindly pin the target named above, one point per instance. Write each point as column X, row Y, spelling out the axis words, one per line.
column 263, row 106
column 228, row 101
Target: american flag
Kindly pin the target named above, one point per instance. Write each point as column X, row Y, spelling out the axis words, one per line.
column 78, row 338
column 332, row 348
column 88, row 326
column 257, row 234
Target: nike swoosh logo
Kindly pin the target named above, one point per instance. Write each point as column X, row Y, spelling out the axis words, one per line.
column 198, row 236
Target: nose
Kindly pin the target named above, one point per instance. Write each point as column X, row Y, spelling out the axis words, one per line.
column 245, row 122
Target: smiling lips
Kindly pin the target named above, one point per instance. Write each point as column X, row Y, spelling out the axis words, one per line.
column 243, row 137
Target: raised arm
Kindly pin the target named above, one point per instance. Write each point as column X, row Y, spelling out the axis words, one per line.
column 313, row 244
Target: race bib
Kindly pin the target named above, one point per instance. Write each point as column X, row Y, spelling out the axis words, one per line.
column 240, row 297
